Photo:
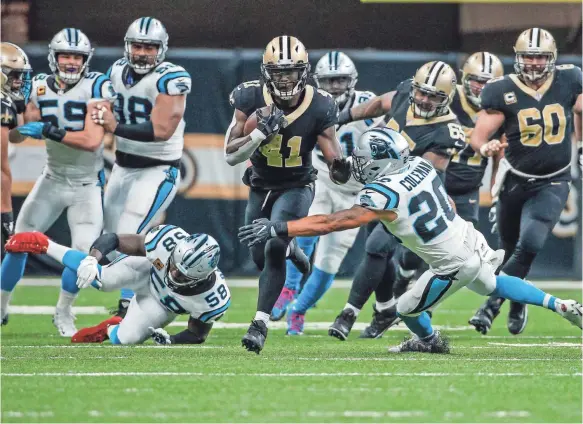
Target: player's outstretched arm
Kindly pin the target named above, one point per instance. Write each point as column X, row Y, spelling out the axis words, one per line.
column 196, row 333
column 487, row 124
column 262, row 229
column 375, row 107
column 129, row 244
column 332, row 152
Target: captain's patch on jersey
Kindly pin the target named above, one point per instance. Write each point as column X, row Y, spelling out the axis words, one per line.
column 158, row 264
column 41, row 90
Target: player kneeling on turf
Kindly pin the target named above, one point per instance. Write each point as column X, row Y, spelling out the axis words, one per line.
column 171, row 273
column 407, row 196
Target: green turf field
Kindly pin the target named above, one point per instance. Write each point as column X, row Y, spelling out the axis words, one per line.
column 534, row 377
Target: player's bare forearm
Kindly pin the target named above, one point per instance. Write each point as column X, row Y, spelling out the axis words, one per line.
column 438, row 161
column 487, row 124
column 166, row 115
column 238, row 147
column 496, row 163
column 317, row 225
column 377, row 106
column 31, row 113
column 132, row 244
column 329, row 145
column 6, row 188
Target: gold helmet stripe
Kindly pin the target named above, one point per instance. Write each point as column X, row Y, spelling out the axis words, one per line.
column 434, row 73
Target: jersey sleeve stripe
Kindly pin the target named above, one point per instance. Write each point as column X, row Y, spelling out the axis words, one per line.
column 163, row 82
column 119, row 258
column 208, row 315
column 97, row 85
column 152, row 244
column 391, row 195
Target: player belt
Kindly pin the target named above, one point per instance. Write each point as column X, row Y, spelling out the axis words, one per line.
column 536, row 177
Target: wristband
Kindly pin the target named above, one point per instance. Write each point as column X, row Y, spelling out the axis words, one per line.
column 136, row 132
column 53, row 133
column 279, row 229
column 106, row 243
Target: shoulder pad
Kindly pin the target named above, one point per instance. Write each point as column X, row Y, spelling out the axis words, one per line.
column 564, row 67
column 40, row 77
column 173, row 80
column 404, row 86
column 154, row 235
column 448, row 138
column 493, row 93
column 323, row 93
column 244, row 96
column 378, row 196
column 101, row 86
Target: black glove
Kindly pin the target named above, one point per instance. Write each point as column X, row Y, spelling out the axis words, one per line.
column 7, row 225
column 272, row 123
column 492, row 218
column 53, row 132
column 261, row 230
column 340, row 171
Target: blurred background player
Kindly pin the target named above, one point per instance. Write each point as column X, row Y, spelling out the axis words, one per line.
column 173, row 273
column 466, row 169
column 419, row 110
column 415, row 208
column 149, row 129
column 535, row 109
column 73, row 178
column 336, row 74
column 292, row 117
column 15, row 89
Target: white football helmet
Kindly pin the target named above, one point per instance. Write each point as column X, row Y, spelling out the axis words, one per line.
column 335, row 73
column 192, row 261
column 380, row 151
column 70, row 40
column 147, row 31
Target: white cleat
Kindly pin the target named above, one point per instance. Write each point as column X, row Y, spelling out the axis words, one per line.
column 571, row 310
column 64, row 320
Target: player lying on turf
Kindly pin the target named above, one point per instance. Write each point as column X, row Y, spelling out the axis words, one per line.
column 407, row 196
column 171, row 273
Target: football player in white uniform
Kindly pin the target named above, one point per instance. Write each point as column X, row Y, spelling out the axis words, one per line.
column 61, row 104
column 407, row 196
column 336, row 74
column 172, row 273
column 149, row 129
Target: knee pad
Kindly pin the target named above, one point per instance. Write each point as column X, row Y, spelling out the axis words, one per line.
column 276, row 248
column 406, row 304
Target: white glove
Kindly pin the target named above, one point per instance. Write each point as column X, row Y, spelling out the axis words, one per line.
column 87, row 272
column 492, row 218
column 160, row 336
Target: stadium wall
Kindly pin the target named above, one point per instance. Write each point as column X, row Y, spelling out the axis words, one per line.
column 212, row 197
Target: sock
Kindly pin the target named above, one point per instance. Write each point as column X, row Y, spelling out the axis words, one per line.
column 12, row 270
column 381, row 306
column 69, row 281
column 66, row 299
column 518, row 290
column 112, row 333
column 126, row 294
column 262, row 316
column 4, row 301
column 420, row 325
column 318, row 283
column 355, row 309
column 293, row 276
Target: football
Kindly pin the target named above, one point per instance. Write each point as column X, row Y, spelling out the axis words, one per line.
column 250, row 124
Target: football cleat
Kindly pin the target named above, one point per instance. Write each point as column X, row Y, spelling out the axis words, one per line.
column 254, row 340
column 571, row 310
column 64, row 320
column 295, row 324
column 95, row 334
column 342, row 324
column 122, row 308
column 285, row 299
column 299, row 258
column 484, row 316
column 5, row 319
column 434, row 344
column 28, row 242
column 381, row 322
column 517, row 318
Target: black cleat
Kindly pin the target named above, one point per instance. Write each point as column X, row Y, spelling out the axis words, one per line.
column 255, row 337
column 5, row 320
column 299, row 258
column 381, row 322
column 483, row 318
column 122, row 308
column 342, row 325
column 437, row 344
column 517, row 318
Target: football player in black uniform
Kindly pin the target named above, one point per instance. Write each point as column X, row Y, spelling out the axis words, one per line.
column 291, row 118
column 419, row 110
column 535, row 108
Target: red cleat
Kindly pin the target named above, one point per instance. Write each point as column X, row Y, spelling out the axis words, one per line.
column 96, row 334
column 29, row 242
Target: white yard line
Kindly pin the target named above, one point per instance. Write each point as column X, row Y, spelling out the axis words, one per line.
column 50, row 310
column 108, row 346
column 340, row 283
column 437, row 359
column 279, row 375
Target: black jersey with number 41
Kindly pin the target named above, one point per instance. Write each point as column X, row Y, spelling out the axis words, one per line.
column 538, row 123
column 286, row 161
column 442, row 135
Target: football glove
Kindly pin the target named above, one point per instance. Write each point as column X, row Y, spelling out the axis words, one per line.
column 340, row 170
column 261, row 230
column 160, row 336
column 7, row 225
column 492, row 218
column 272, row 123
column 87, row 272
column 39, row 130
